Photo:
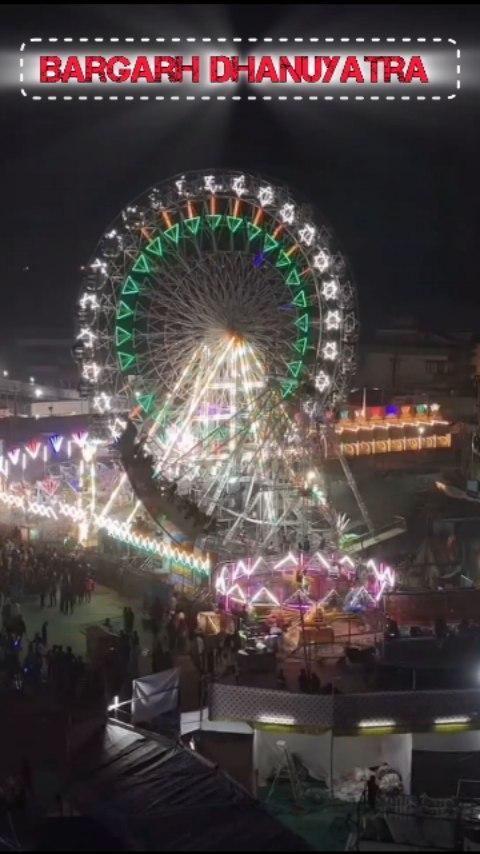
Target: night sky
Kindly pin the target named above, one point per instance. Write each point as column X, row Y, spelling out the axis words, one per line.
column 399, row 182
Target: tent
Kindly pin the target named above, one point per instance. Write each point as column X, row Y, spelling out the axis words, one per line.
column 158, row 796
column 321, row 754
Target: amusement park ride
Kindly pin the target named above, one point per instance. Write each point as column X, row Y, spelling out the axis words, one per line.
column 216, row 336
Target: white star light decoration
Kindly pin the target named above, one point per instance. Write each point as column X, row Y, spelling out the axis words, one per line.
column 306, row 234
column 90, row 371
column 332, row 320
column 88, row 301
column 266, row 195
column 238, row 185
column 98, row 264
column 210, row 184
column 330, row 289
column 287, row 213
column 330, row 351
column 87, row 336
column 322, row 381
column 117, row 427
column 321, row 261
column 102, row 403
column 180, row 185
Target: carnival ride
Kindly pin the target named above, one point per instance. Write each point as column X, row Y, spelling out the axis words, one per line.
column 226, row 319
column 216, row 335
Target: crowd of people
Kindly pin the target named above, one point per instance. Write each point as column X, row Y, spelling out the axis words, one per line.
column 60, row 580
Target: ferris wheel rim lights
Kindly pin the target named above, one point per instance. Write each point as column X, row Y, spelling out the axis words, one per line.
column 262, row 200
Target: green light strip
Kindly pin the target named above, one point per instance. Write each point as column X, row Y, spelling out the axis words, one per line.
column 167, row 241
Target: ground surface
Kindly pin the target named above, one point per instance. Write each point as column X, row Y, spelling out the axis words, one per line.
column 70, row 630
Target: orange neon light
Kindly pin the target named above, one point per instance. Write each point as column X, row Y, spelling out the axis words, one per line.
column 167, row 219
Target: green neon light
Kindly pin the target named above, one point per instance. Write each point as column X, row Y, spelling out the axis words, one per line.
column 146, row 401
column 141, row 265
column 155, row 247
column 145, row 264
column 294, row 278
column 283, row 259
column 126, row 360
column 253, row 230
column 301, row 345
column 173, row 233
column 295, row 368
column 122, row 335
column 124, row 310
column 288, row 387
column 270, row 243
column 300, row 300
column 303, row 322
column 214, row 220
column 130, row 286
column 234, row 223
column 193, row 224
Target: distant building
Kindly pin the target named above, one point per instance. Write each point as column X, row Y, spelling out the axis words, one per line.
column 405, row 362
column 35, row 399
column 48, row 358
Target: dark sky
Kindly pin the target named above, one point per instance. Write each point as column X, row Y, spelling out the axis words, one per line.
column 399, row 182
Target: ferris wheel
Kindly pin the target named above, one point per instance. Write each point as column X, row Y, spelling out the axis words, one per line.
column 221, row 314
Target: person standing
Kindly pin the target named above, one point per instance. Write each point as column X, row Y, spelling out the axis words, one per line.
column 42, row 591
column 130, row 621
column 372, row 791
column 53, row 591
column 45, row 633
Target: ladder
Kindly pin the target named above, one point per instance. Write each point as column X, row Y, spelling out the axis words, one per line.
column 287, row 764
